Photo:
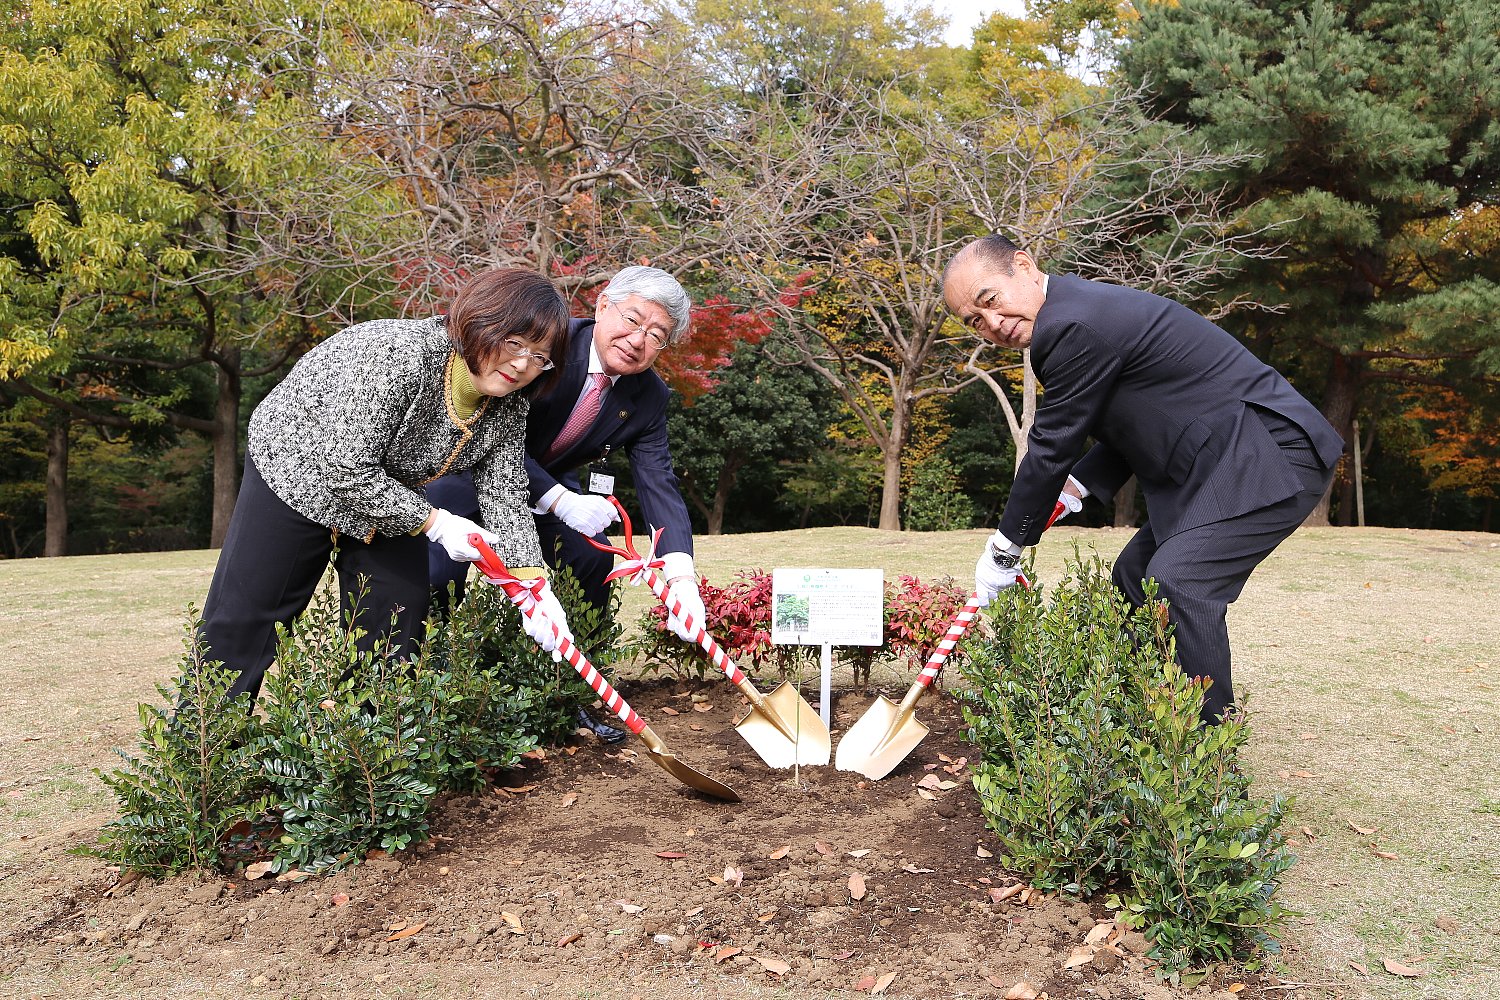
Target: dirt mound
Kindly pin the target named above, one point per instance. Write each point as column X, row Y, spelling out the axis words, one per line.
column 592, row 862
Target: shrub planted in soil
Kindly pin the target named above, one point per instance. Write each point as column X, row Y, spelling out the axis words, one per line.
column 1094, row 771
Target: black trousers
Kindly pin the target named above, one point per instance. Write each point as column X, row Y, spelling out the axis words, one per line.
column 1202, row 570
column 269, row 568
column 561, row 546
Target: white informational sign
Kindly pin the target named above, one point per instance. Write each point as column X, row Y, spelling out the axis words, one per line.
column 827, row 607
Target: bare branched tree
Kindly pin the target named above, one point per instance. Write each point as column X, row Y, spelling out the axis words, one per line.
column 478, row 133
column 867, row 194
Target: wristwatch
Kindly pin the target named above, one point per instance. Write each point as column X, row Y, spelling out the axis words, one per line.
column 1004, row 559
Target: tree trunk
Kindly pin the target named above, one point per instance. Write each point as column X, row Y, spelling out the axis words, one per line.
column 727, row 475
column 1338, row 407
column 890, row 490
column 1125, row 509
column 226, row 443
column 56, row 537
column 1028, row 405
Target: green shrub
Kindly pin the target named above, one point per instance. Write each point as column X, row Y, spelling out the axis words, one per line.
column 195, row 773
column 537, row 696
column 353, row 743
column 1094, row 771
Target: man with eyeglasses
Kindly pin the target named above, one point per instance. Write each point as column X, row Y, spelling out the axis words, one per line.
column 606, row 399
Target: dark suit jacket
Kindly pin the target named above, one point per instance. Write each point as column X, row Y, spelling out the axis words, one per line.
column 632, row 418
column 1168, row 396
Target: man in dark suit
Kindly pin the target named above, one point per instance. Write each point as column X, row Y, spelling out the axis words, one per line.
column 607, row 399
column 1230, row 457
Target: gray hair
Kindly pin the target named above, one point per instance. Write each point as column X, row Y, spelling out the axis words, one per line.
column 654, row 285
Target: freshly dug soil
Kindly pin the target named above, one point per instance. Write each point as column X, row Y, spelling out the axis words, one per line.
column 596, row 863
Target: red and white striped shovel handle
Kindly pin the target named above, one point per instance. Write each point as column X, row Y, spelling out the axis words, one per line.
column 659, row 588
column 492, row 567
column 956, row 630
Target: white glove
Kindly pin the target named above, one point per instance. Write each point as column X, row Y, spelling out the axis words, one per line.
column 678, row 568
column 989, row 576
column 1070, row 503
column 585, row 513
column 538, row 625
column 452, row 533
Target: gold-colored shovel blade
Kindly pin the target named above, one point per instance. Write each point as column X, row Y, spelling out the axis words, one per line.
column 809, row 744
column 871, row 748
column 669, row 762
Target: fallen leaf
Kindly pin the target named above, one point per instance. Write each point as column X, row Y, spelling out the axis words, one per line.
column 670, row 855
column 926, row 794
column 693, row 912
column 1001, row 895
column 946, row 785
column 1099, row 932
column 930, row 781
column 1080, row 957
column 823, row 849
column 537, row 754
column 882, row 983
column 980, row 852
column 519, row 789
column 1447, row 925
column 1389, row 856
column 1359, row 967
column 1235, row 987
column 628, row 907
column 570, row 751
column 703, row 706
column 396, row 925
column 407, row 932
column 563, row 942
column 864, row 983
column 726, row 953
column 859, row 853
column 1362, row 831
column 696, row 728
column 856, row 886
column 513, row 921
column 669, row 711
column 774, row 966
column 328, row 704
column 735, row 876
column 781, row 852
column 914, row 870
column 257, row 870
column 568, row 800
column 1020, row 991
column 841, row 956
column 340, row 899
column 766, row 917
column 293, row 875
column 1397, row 969
column 945, row 758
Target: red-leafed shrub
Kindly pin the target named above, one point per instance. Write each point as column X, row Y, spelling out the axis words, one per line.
column 739, row 618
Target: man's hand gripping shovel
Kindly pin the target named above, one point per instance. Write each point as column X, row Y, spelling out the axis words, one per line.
column 492, row 567
column 887, row 732
column 781, row 727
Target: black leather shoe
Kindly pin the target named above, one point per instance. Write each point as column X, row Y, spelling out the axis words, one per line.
column 608, row 734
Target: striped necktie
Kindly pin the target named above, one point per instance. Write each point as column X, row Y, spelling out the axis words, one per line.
column 582, row 417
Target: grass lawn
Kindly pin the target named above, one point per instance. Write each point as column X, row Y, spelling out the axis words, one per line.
column 1371, row 657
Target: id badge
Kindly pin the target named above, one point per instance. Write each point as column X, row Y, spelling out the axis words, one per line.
column 600, row 481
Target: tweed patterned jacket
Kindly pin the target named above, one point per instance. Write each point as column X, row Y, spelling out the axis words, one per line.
column 363, row 421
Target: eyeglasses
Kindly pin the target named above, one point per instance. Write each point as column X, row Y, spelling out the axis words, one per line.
column 655, row 337
column 516, row 348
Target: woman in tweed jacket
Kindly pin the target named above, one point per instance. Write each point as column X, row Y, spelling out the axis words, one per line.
column 339, row 451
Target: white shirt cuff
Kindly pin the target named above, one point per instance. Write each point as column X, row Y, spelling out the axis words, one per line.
column 1083, row 490
column 544, row 505
column 1004, row 544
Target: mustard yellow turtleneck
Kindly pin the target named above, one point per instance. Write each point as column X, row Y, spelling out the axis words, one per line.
column 464, row 397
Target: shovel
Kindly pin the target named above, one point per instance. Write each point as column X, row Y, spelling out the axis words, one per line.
column 887, row 732
column 781, row 727
column 496, row 571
